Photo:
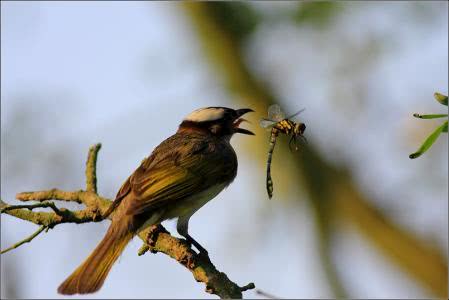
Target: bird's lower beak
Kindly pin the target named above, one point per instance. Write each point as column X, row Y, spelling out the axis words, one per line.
column 244, row 131
column 241, row 112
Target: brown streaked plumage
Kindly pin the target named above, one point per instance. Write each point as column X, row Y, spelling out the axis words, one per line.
column 182, row 174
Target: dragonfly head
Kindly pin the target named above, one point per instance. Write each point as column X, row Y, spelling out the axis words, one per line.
column 300, row 128
column 297, row 133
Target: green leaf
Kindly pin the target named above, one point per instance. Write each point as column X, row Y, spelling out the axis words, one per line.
column 441, row 98
column 430, row 116
column 429, row 141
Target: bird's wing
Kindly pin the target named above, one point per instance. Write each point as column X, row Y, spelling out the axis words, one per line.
column 126, row 186
column 175, row 177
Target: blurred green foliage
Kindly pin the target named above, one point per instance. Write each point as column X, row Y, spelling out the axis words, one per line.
column 331, row 190
column 436, row 133
column 319, row 14
column 236, row 17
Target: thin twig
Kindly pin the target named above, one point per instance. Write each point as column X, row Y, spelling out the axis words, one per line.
column 143, row 249
column 50, row 219
column 91, row 168
column 247, row 287
column 266, row 295
column 53, row 194
column 33, row 206
column 27, row 240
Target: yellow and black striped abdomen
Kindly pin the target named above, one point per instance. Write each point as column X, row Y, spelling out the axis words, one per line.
column 285, row 126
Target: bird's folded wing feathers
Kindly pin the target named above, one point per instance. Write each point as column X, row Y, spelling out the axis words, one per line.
column 171, row 179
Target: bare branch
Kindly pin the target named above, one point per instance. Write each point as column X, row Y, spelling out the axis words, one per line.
column 91, row 168
column 53, row 194
column 27, row 240
column 49, row 219
column 33, row 206
column 266, row 295
column 247, row 287
column 156, row 239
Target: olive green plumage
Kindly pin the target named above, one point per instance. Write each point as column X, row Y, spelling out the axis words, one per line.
column 182, row 174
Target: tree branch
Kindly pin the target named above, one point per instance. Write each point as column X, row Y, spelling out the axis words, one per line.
column 33, row 206
column 26, row 240
column 156, row 238
column 91, row 168
column 266, row 295
column 54, row 194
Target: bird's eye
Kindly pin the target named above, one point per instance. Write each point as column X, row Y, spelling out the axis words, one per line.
column 216, row 128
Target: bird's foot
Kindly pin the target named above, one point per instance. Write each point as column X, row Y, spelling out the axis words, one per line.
column 202, row 251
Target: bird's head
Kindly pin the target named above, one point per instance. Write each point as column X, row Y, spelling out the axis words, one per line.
column 219, row 121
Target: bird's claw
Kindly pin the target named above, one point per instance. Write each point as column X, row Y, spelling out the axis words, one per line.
column 202, row 251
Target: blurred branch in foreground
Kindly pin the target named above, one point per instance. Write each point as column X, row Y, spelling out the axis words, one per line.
column 156, row 238
column 332, row 192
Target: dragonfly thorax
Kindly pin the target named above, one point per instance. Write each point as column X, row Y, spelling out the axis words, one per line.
column 289, row 127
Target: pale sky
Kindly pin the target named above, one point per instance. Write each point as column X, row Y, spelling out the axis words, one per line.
column 125, row 74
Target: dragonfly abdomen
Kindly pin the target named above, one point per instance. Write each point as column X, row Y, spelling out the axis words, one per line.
column 274, row 134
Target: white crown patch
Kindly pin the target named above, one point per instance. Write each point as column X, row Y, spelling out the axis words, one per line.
column 205, row 114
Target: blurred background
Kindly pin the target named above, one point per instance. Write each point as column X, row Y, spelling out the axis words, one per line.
column 352, row 215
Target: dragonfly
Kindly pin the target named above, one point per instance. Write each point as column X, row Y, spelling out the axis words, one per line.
column 280, row 124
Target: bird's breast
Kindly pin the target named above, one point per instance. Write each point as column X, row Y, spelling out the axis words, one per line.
column 194, row 202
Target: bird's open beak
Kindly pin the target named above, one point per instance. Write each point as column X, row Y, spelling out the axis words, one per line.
column 241, row 112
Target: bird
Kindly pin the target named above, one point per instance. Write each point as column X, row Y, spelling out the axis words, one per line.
column 183, row 173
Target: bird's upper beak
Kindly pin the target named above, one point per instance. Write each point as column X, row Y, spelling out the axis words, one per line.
column 241, row 112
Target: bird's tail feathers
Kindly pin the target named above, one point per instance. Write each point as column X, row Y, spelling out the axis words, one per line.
column 90, row 275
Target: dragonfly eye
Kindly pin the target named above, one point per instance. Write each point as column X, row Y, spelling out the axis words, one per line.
column 301, row 127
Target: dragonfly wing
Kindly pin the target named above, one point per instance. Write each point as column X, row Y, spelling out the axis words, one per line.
column 265, row 123
column 275, row 113
column 296, row 113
